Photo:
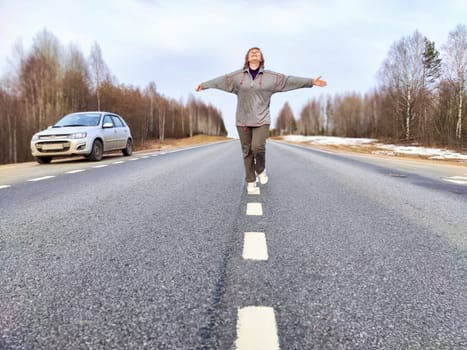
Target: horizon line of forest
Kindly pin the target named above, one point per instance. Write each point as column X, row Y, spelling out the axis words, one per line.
column 420, row 98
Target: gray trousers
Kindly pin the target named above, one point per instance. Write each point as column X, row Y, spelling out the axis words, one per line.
column 253, row 142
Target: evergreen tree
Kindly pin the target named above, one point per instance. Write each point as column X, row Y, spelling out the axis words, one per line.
column 431, row 62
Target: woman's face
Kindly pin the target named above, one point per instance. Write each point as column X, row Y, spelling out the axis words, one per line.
column 255, row 55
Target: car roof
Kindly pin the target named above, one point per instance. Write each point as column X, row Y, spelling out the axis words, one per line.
column 86, row 112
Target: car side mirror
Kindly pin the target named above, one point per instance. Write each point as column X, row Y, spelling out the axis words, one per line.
column 107, row 125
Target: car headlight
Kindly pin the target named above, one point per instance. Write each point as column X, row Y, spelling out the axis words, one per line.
column 35, row 137
column 78, row 135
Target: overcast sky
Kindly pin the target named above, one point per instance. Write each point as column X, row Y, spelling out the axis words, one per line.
column 179, row 44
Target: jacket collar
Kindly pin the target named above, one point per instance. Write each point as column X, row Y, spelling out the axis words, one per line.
column 261, row 70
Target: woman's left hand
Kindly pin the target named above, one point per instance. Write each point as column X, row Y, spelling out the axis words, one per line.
column 319, row 82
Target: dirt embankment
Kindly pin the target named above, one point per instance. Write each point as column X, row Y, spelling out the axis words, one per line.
column 168, row 144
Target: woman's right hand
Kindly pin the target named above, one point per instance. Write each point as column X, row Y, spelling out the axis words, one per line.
column 199, row 88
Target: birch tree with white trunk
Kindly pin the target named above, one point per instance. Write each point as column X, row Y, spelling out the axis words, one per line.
column 456, row 69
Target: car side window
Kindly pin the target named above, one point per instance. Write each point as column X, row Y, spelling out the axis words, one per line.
column 117, row 122
column 107, row 119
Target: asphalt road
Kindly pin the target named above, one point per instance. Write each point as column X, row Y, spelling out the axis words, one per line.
column 147, row 253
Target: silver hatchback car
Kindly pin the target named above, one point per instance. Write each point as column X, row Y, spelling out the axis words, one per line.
column 83, row 133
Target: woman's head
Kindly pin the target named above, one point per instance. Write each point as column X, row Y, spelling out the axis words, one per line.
column 254, row 54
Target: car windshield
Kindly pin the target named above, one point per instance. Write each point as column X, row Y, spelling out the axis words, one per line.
column 79, row 119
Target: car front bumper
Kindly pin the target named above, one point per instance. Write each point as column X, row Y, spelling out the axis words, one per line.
column 65, row 147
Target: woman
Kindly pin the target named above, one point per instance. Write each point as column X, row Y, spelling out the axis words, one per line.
column 254, row 87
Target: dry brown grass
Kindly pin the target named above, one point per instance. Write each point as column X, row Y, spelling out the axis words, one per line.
column 176, row 143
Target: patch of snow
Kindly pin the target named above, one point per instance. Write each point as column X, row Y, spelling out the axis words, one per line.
column 328, row 140
column 431, row 153
column 387, row 149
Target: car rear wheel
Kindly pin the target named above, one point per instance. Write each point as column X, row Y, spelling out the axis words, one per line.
column 96, row 151
column 128, row 150
column 44, row 160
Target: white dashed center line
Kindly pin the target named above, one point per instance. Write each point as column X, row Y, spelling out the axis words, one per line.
column 254, row 246
column 118, row 162
column 100, row 166
column 144, row 157
column 256, row 329
column 254, row 191
column 133, row 159
column 254, row 209
column 75, row 171
column 4, row 186
column 41, row 178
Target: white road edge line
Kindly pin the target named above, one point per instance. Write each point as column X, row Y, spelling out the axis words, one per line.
column 457, row 181
column 75, row 171
column 4, row 186
column 41, row 178
column 256, row 329
column 254, row 209
column 118, row 162
column 100, row 166
column 254, row 246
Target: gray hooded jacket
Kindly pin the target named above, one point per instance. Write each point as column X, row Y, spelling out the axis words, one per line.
column 254, row 95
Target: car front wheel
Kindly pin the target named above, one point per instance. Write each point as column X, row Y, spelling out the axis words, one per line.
column 96, row 151
column 128, row 150
column 44, row 160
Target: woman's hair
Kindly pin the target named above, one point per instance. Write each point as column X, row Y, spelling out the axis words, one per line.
column 246, row 65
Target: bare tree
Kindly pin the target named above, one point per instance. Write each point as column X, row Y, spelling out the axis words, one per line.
column 372, row 111
column 150, row 94
column 348, row 117
column 402, row 77
column 285, row 123
column 9, row 129
column 76, row 81
column 456, row 69
column 191, row 104
column 310, row 118
column 163, row 108
column 40, row 80
column 99, row 70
